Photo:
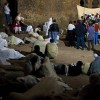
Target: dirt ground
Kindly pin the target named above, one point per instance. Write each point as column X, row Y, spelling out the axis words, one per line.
column 67, row 55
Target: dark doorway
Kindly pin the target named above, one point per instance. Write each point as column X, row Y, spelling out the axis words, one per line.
column 95, row 3
column 13, row 5
column 82, row 3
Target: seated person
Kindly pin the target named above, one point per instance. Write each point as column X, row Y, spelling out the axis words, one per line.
column 71, row 70
column 76, row 69
column 13, row 40
column 19, row 25
column 3, row 42
column 51, row 49
column 37, row 51
column 95, row 65
column 20, row 20
column 92, row 90
column 42, row 44
column 86, row 67
column 24, row 27
column 5, row 29
column 16, row 27
column 10, row 53
column 30, row 39
column 38, row 29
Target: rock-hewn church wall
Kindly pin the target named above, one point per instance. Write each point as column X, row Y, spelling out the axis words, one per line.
column 39, row 11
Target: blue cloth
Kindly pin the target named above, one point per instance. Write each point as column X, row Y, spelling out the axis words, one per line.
column 7, row 18
column 96, row 38
column 80, row 40
column 54, row 36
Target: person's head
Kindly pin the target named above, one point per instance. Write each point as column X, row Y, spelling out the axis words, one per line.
column 51, row 40
column 78, row 21
column 74, row 22
column 54, row 20
column 50, row 19
column 90, row 24
column 94, row 78
column 6, row 3
column 3, row 25
column 95, row 55
column 70, row 22
column 79, row 63
column 37, row 48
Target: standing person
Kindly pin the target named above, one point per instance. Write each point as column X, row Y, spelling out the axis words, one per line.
column 80, row 33
column 48, row 26
column 54, row 30
column 71, row 38
column 96, row 27
column 7, row 13
column 90, row 36
column 45, row 27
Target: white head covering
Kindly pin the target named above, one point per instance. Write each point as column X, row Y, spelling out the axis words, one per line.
column 95, row 55
column 50, row 22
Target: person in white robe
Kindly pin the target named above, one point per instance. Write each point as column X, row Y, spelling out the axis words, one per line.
column 10, row 53
column 3, row 42
column 48, row 25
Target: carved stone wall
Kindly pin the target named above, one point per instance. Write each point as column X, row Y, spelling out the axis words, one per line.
column 95, row 3
column 39, row 11
column 92, row 3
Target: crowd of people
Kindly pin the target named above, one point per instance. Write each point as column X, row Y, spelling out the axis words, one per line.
column 86, row 29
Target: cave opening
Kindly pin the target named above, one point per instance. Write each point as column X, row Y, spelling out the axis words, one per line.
column 13, row 5
column 82, row 3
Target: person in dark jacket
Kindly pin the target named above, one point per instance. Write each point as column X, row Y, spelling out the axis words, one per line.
column 54, row 30
column 76, row 69
column 80, row 33
column 71, row 70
